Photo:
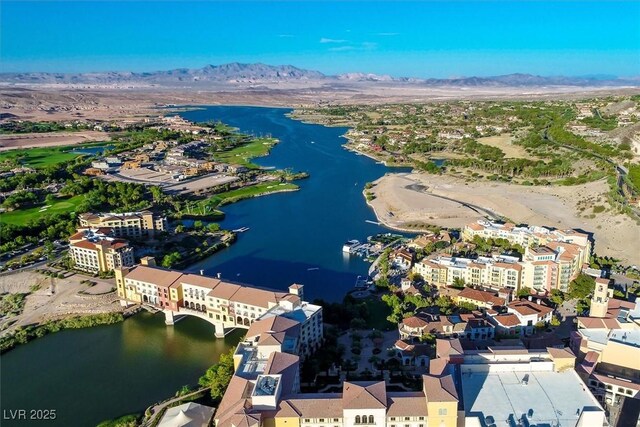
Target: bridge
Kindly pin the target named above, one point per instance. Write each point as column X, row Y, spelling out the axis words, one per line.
column 222, row 328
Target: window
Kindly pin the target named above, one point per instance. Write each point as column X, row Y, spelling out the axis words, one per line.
column 371, row 420
column 442, row 411
column 357, row 419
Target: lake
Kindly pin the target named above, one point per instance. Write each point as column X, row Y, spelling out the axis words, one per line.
column 89, row 375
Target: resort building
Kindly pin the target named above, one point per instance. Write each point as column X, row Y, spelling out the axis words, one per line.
column 552, row 259
column 495, row 272
column 524, row 236
column 226, row 305
column 474, row 388
column 135, row 225
column 553, row 266
column 607, row 312
column 95, row 251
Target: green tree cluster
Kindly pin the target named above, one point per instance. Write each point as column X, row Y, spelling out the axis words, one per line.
column 219, row 375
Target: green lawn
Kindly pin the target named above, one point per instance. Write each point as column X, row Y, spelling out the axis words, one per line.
column 247, row 192
column 378, row 312
column 40, row 157
column 22, row 216
column 242, row 155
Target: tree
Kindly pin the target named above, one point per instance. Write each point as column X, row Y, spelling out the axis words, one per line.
column 156, row 193
column 49, row 249
column 171, row 259
column 581, row 287
column 557, row 297
column 198, row 225
column 523, row 292
column 219, row 375
column 458, row 283
column 213, row 227
column 50, row 199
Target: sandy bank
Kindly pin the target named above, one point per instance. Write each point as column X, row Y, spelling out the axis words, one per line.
column 404, row 199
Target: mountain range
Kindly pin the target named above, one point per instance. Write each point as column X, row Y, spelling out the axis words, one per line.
column 257, row 73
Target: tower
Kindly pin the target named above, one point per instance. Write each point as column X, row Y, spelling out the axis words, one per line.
column 600, row 299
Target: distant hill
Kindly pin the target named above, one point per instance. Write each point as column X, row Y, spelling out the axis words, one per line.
column 237, row 73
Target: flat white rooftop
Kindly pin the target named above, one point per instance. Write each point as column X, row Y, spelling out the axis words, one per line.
column 547, row 398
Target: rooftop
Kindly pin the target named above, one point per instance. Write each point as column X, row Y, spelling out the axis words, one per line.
column 502, row 395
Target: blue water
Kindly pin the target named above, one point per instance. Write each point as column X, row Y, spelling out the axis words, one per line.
column 89, row 375
column 297, row 237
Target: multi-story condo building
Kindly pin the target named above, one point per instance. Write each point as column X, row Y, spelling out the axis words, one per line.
column 131, row 224
column 226, row 305
column 542, row 268
column 553, row 266
column 525, row 236
column 496, row 272
column 95, row 251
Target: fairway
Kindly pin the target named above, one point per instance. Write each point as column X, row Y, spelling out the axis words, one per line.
column 248, row 192
column 22, row 216
column 242, row 155
column 46, row 156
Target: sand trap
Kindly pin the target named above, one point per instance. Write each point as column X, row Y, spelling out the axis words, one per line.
column 402, row 199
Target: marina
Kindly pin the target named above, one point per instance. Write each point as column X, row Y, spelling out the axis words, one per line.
column 373, row 247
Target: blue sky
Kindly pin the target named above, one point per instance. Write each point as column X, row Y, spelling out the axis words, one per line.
column 421, row 39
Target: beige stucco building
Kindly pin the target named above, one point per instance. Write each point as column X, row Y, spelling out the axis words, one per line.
column 131, row 224
column 95, row 251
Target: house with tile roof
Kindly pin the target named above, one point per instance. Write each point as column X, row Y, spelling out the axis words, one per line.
column 481, row 299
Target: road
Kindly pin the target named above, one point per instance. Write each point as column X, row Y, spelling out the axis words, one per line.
column 482, row 211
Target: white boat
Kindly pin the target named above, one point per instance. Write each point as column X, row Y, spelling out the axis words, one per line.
column 348, row 246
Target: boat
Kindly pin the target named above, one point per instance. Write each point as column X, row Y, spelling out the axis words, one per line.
column 349, row 246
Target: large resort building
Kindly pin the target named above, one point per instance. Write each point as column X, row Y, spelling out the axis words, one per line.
column 524, row 236
column 474, row 388
column 551, row 260
column 225, row 304
column 96, row 251
column 135, row 225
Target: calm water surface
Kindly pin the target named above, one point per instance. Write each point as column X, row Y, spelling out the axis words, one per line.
column 297, row 237
column 93, row 374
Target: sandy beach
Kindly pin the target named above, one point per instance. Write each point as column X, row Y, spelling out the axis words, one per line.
column 403, row 201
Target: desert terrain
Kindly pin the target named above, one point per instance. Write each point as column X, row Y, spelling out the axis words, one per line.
column 403, row 200
column 125, row 104
column 30, row 140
